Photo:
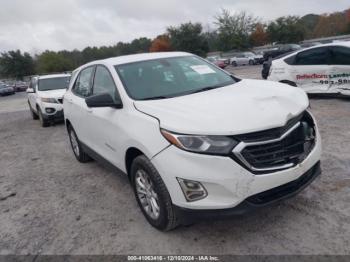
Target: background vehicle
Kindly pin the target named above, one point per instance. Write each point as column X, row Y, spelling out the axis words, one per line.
column 258, row 58
column 6, row 90
column 218, row 62
column 244, row 58
column 322, row 69
column 173, row 122
column 45, row 97
column 307, row 45
column 280, row 50
column 20, row 86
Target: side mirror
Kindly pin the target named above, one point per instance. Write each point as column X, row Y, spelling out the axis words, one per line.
column 103, row 100
column 30, row 90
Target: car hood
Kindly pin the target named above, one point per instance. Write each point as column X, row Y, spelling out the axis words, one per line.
column 247, row 106
column 57, row 93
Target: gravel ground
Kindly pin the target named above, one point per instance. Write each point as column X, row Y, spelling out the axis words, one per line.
column 51, row 204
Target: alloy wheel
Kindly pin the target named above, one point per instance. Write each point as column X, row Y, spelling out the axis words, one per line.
column 146, row 194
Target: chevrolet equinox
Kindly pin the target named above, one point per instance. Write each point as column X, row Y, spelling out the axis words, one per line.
column 195, row 141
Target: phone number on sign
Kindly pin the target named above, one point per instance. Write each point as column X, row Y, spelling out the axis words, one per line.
column 335, row 82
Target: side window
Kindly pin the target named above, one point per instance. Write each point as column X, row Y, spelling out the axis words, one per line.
column 82, row 86
column 315, row 56
column 104, row 82
column 340, row 55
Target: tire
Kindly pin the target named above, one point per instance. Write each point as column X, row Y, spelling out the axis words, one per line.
column 251, row 62
column 34, row 115
column 43, row 122
column 77, row 149
column 153, row 193
column 234, row 63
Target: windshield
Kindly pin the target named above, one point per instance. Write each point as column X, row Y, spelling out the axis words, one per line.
column 170, row 77
column 53, row 83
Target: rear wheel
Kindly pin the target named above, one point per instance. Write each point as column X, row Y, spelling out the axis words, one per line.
column 234, row 63
column 78, row 151
column 251, row 62
column 152, row 195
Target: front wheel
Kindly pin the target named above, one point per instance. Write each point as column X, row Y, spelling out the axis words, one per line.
column 234, row 63
column 152, row 195
column 251, row 62
column 43, row 121
column 33, row 114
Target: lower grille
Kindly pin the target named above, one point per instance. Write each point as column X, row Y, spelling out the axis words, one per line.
column 285, row 151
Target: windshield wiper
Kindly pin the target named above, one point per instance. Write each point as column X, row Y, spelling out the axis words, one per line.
column 206, row 89
column 155, row 98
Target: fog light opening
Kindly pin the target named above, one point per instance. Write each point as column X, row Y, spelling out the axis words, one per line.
column 50, row 110
column 192, row 190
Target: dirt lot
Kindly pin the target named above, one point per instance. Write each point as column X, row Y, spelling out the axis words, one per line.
column 51, row 204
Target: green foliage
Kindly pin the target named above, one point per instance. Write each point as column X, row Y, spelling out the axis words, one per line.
column 16, row 65
column 188, row 37
column 49, row 62
column 234, row 29
column 286, row 29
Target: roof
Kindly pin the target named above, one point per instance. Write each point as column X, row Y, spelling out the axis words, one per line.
column 53, row 76
column 345, row 43
column 139, row 57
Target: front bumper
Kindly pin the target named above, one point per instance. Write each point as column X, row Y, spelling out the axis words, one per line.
column 56, row 115
column 228, row 184
column 254, row 202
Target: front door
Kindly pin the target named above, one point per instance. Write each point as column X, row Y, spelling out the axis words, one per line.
column 105, row 122
column 311, row 70
column 340, row 70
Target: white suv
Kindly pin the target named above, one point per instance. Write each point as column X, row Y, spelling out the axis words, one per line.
column 195, row 141
column 45, row 97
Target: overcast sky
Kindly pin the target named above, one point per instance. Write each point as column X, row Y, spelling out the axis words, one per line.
column 37, row 25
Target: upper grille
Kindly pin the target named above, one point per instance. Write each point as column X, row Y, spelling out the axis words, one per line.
column 277, row 148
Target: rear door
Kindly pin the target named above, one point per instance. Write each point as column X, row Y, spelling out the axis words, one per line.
column 340, row 70
column 311, row 70
column 77, row 110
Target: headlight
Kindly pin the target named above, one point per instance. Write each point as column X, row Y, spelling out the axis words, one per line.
column 49, row 100
column 216, row 145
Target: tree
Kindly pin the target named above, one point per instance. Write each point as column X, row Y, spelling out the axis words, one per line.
column 259, row 36
column 50, row 62
column 14, row 64
column 330, row 25
column 188, row 37
column 287, row 29
column 234, row 29
column 160, row 44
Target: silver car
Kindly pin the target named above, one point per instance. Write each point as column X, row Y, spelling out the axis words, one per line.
column 244, row 58
column 6, row 90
